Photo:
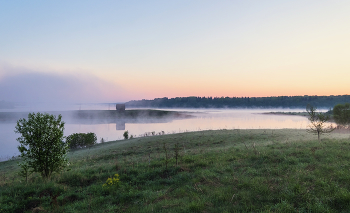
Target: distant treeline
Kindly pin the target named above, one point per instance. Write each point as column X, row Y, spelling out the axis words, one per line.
column 243, row 102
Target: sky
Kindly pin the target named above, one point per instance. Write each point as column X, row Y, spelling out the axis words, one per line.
column 116, row 51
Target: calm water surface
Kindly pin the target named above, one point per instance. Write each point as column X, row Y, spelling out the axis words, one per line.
column 206, row 119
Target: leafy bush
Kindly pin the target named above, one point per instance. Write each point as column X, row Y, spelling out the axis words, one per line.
column 41, row 144
column 341, row 113
column 126, row 135
column 81, row 140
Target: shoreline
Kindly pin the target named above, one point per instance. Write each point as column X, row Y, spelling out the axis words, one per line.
column 304, row 114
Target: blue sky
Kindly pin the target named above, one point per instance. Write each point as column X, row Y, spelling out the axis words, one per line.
column 123, row 50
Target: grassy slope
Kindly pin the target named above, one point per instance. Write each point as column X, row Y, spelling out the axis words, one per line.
column 218, row 171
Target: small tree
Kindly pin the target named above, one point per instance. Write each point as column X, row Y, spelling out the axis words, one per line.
column 126, row 135
column 41, row 144
column 166, row 156
column 318, row 121
column 25, row 172
column 177, row 149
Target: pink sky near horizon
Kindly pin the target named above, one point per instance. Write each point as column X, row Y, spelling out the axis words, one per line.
column 119, row 51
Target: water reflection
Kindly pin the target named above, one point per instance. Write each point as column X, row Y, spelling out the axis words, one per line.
column 111, row 128
column 120, row 125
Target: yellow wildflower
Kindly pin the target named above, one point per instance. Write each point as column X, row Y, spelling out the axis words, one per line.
column 112, row 181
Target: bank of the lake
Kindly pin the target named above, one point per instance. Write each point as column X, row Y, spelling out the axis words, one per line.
column 285, row 170
column 108, row 125
column 305, row 114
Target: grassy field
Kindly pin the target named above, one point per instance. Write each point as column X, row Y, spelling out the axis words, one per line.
column 283, row 170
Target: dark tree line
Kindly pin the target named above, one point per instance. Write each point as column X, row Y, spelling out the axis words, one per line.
column 242, row 102
column 341, row 114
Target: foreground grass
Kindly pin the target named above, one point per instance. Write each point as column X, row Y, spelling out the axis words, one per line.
column 218, row 171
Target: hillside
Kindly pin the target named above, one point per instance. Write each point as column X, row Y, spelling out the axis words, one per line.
column 218, row 171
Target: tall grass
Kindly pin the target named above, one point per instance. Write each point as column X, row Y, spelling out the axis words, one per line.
column 216, row 171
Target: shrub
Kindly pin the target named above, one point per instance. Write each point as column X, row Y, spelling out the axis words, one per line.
column 81, row 140
column 126, row 135
column 41, row 144
column 341, row 114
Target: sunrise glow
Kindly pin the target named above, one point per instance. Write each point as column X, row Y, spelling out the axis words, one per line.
column 121, row 51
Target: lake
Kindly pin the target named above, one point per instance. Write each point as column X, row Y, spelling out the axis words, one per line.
column 201, row 119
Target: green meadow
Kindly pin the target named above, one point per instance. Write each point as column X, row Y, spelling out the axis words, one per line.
column 285, row 170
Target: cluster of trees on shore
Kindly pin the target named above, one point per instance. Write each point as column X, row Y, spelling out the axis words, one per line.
column 341, row 114
column 242, row 102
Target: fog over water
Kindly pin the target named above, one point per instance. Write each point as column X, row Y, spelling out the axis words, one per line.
column 113, row 129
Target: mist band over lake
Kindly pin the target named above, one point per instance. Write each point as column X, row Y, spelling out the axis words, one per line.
column 193, row 120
